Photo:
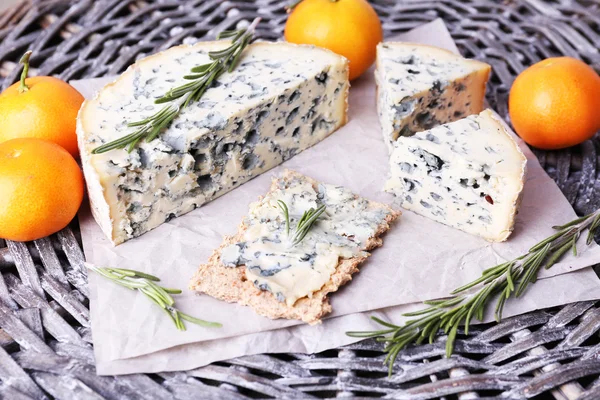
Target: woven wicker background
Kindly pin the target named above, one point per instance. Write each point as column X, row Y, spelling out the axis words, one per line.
column 45, row 341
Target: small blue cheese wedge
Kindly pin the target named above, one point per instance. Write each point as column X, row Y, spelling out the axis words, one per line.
column 261, row 267
column 468, row 174
column 421, row 86
column 279, row 100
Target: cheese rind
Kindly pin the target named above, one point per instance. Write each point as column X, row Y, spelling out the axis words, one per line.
column 421, row 86
column 280, row 99
column 261, row 268
column 468, row 174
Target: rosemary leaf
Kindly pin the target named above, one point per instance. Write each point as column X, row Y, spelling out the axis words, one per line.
column 470, row 284
column 509, row 280
column 154, row 296
column 531, row 269
column 444, row 302
column 450, row 341
column 131, row 272
column 146, row 284
column 199, row 80
column 435, row 302
column 202, row 68
column 547, row 240
column 226, row 34
column 500, row 282
column 286, row 215
column 569, row 224
column 592, row 230
column 553, row 259
column 360, row 334
column 420, row 312
column 435, row 326
column 384, row 323
column 178, row 321
column 200, row 322
column 500, row 305
column 172, row 318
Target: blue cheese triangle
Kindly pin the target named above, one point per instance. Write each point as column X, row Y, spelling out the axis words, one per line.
column 468, row 174
column 421, row 86
column 262, row 267
column 280, row 99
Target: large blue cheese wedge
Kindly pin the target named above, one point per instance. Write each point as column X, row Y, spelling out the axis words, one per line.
column 468, row 174
column 279, row 100
column 262, row 266
column 421, row 86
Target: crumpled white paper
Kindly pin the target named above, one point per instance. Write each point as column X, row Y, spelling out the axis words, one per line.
column 579, row 285
column 420, row 259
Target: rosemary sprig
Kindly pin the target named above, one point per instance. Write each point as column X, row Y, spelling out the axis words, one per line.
column 500, row 282
column 200, row 79
column 305, row 222
column 145, row 283
column 286, row 215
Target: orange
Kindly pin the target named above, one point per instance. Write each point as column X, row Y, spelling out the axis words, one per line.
column 47, row 109
column 350, row 28
column 41, row 188
column 556, row 103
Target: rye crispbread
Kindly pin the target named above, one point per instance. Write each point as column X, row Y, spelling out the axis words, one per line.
column 230, row 283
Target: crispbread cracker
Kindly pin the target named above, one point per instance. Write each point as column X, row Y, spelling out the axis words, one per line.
column 230, row 283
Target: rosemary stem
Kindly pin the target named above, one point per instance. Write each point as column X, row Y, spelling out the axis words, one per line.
column 253, row 25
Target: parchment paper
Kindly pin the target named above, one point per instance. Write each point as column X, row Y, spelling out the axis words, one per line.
column 579, row 285
column 420, row 259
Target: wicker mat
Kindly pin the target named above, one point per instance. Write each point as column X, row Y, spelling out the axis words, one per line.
column 45, row 340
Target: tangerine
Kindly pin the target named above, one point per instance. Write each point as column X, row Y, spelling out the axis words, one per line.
column 556, row 103
column 41, row 188
column 350, row 28
column 41, row 107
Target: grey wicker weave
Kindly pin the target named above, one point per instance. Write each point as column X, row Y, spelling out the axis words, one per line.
column 45, row 340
